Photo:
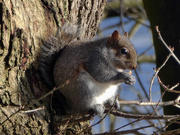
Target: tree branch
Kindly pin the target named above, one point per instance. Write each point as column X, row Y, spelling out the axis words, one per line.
column 140, row 103
column 170, row 49
column 156, row 72
column 137, row 116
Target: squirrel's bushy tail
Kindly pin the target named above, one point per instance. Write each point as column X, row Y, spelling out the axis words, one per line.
column 52, row 48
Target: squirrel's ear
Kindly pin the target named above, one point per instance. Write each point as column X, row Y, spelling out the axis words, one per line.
column 115, row 35
column 126, row 34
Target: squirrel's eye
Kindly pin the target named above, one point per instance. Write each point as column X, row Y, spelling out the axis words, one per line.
column 124, row 51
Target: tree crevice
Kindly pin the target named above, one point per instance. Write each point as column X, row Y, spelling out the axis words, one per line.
column 7, row 57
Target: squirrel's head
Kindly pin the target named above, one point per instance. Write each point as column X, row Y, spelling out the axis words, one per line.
column 124, row 54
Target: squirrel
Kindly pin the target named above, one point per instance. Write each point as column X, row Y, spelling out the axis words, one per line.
column 95, row 69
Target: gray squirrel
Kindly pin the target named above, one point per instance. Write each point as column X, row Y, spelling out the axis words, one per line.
column 94, row 69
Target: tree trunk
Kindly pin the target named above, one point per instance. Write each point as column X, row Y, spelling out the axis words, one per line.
column 23, row 25
column 165, row 14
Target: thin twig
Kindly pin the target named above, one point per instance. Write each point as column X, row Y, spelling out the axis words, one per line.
column 121, row 15
column 178, row 102
column 158, row 102
column 137, row 116
column 169, row 89
column 34, row 110
column 170, row 49
column 142, row 86
column 35, row 101
column 72, row 120
column 140, row 55
column 128, row 124
column 65, row 125
column 132, row 131
column 8, row 117
column 136, row 20
column 154, row 76
column 129, row 18
column 45, row 95
column 140, row 82
column 140, row 103
column 171, row 132
column 5, row 114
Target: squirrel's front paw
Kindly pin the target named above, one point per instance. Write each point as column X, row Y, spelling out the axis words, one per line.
column 130, row 80
column 98, row 109
column 111, row 102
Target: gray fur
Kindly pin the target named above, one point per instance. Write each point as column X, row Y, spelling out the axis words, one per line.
column 91, row 67
column 51, row 49
column 85, row 64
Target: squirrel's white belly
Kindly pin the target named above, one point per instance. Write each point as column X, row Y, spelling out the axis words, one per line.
column 102, row 92
column 108, row 94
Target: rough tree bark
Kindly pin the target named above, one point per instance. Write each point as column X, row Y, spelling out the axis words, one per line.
column 23, row 25
column 165, row 14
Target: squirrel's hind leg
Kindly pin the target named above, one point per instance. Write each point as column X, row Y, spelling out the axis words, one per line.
column 98, row 109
